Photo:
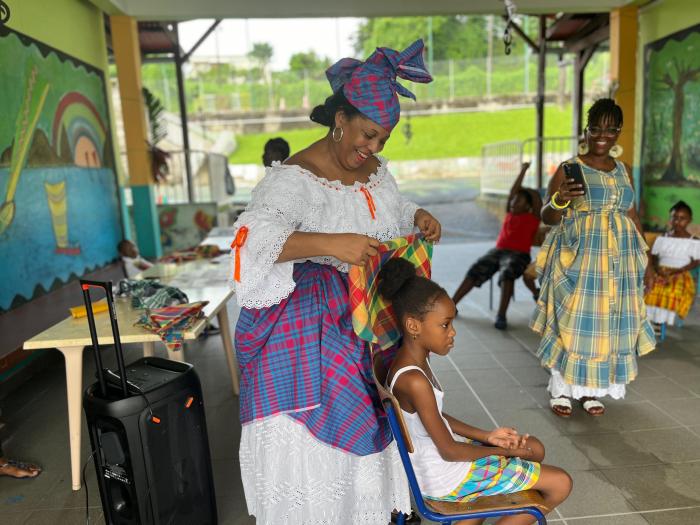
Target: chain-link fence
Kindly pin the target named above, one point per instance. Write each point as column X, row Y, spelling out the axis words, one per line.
column 220, row 87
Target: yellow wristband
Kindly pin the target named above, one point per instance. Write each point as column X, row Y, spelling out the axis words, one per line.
column 553, row 202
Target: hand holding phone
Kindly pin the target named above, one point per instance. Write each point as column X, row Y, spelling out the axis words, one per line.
column 574, row 182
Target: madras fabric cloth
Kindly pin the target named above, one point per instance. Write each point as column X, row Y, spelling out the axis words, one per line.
column 371, row 86
column 148, row 293
column 493, row 475
column 372, row 318
column 590, row 312
column 171, row 322
column 302, row 358
column 675, row 293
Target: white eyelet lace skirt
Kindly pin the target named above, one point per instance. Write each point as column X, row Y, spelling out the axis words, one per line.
column 291, row 478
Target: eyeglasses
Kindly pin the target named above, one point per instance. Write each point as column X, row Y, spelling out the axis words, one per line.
column 608, row 132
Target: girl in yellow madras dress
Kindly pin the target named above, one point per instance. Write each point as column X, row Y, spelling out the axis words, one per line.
column 590, row 312
column 673, row 256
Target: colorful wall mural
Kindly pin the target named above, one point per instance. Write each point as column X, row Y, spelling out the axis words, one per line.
column 59, row 208
column 670, row 157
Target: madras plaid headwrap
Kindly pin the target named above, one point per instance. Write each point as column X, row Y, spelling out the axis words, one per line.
column 301, row 358
column 372, row 318
column 371, row 86
column 171, row 322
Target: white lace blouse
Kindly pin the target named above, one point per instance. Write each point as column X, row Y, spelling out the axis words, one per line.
column 675, row 252
column 290, row 198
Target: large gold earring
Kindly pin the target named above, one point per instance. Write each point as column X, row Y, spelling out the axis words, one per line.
column 616, row 151
column 583, row 148
column 341, row 134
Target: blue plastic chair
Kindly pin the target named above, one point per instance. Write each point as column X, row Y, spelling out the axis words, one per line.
column 447, row 512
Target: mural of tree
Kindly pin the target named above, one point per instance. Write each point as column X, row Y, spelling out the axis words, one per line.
column 676, row 81
column 671, row 123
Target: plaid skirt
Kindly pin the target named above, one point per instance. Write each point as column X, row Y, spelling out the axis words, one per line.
column 675, row 293
column 494, row 475
column 302, row 358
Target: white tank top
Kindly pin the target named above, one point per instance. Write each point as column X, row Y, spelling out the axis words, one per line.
column 436, row 476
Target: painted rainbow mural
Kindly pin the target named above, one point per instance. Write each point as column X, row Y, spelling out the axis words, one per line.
column 84, row 130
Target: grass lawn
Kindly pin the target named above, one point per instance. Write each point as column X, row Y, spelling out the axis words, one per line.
column 434, row 137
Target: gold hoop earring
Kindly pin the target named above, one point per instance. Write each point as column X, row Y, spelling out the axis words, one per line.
column 616, row 151
column 341, row 134
column 583, row 148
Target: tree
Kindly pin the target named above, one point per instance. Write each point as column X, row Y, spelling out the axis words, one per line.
column 309, row 61
column 262, row 53
column 454, row 37
column 676, row 82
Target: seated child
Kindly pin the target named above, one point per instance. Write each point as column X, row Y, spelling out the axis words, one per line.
column 133, row 262
column 673, row 256
column 512, row 252
column 454, row 461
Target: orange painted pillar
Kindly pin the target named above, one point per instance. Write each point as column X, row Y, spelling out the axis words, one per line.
column 624, row 30
column 127, row 56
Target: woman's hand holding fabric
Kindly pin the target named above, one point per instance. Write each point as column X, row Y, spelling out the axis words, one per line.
column 354, row 248
column 428, row 225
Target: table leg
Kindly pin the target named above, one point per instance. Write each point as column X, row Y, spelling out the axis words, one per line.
column 148, row 349
column 73, row 356
column 177, row 355
column 225, row 328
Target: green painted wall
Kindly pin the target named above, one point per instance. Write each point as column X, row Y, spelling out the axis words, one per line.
column 658, row 21
column 73, row 26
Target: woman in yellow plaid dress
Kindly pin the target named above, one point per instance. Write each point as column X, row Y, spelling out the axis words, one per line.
column 590, row 312
column 673, row 257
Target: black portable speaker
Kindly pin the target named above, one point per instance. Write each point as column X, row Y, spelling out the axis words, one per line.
column 148, row 433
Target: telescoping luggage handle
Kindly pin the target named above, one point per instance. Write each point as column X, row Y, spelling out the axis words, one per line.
column 107, row 287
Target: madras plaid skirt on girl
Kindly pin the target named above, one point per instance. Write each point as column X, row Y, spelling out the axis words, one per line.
column 494, row 475
column 675, row 293
column 303, row 359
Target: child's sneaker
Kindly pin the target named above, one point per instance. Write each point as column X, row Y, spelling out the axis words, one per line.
column 501, row 323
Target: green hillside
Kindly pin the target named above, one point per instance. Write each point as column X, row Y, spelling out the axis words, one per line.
column 435, row 136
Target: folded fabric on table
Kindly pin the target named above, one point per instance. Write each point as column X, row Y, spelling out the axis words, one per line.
column 170, row 322
column 148, row 293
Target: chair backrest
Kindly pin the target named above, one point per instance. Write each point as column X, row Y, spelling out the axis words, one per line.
column 379, row 373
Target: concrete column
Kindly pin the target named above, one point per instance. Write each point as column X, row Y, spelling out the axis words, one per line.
column 623, row 71
column 127, row 56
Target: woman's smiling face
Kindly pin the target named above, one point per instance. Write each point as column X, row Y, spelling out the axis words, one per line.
column 361, row 139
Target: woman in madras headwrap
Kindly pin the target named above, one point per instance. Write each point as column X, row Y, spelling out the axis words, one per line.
column 590, row 312
column 314, row 448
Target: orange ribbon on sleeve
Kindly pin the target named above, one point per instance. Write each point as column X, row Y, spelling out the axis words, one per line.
column 236, row 245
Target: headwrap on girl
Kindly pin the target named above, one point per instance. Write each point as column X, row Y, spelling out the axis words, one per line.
column 371, row 86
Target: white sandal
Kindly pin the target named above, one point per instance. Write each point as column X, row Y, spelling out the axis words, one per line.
column 561, row 406
column 590, row 404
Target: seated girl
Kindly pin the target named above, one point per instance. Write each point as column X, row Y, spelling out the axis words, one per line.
column 454, row 461
column 673, row 256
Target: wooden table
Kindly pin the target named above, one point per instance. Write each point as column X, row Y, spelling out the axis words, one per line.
column 71, row 336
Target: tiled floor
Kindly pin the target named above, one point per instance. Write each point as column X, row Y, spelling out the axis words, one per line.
column 638, row 464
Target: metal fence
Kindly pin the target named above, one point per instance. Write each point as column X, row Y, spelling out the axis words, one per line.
column 501, row 161
column 220, row 88
column 211, row 180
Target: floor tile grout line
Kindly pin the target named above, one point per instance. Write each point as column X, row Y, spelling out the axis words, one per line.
column 670, row 415
column 672, row 380
column 631, row 513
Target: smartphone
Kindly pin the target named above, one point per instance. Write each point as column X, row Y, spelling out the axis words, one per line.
column 572, row 170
